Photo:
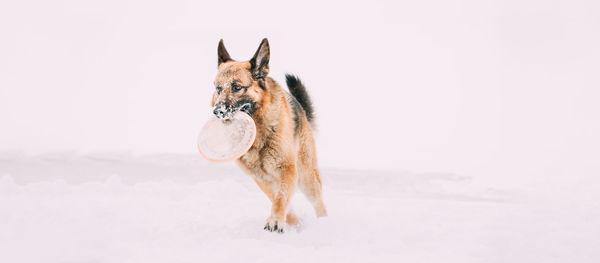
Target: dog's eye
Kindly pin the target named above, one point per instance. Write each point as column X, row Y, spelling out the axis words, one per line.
column 235, row 88
column 219, row 89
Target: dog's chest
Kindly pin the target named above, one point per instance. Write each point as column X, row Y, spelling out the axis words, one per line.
column 263, row 158
column 254, row 165
column 251, row 160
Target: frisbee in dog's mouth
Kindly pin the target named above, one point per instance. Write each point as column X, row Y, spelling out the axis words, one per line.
column 226, row 140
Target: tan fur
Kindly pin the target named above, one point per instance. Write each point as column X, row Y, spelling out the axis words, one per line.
column 283, row 156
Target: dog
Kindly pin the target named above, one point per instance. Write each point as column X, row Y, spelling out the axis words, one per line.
column 283, row 155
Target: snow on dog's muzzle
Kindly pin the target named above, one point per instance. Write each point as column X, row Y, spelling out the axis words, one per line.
column 226, row 112
column 223, row 111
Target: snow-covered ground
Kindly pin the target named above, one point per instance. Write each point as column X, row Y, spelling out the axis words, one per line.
column 117, row 207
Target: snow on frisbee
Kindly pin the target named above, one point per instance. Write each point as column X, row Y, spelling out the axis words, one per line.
column 226, row 140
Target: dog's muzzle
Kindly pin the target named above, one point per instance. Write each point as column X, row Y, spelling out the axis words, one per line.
column 225, row 112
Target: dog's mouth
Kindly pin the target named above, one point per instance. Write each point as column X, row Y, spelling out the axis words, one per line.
column 246, row 107
column 226, row 112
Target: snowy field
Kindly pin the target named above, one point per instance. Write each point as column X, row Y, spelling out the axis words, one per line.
column 484, row 114
column 178, row 208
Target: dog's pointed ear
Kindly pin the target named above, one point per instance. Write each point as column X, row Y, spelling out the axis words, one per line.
column 222, row 53
column 260, row 62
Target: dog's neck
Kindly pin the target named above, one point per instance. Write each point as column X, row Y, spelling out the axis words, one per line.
column 268, row 116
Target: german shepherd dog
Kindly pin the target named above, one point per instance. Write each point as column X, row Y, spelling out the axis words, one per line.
column 283, row 154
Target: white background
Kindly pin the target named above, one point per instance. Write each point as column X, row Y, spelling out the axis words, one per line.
column 478, row 88
column 448, row 131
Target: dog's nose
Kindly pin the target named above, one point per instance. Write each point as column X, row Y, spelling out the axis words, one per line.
column 221, row 111
column 218, row 111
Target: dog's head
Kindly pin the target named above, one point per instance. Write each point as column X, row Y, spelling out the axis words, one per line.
column 240, row 86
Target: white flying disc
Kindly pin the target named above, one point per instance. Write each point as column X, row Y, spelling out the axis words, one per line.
column 226, row 140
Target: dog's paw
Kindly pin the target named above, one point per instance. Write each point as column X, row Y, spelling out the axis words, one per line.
column 275, row 225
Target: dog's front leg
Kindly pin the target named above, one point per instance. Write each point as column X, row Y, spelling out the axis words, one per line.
column 284, row 190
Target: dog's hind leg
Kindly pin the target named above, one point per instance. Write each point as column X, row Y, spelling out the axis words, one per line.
column 310, row 185
column 309, row 177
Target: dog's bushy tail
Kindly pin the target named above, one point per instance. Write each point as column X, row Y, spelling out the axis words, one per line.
column 298, row 90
